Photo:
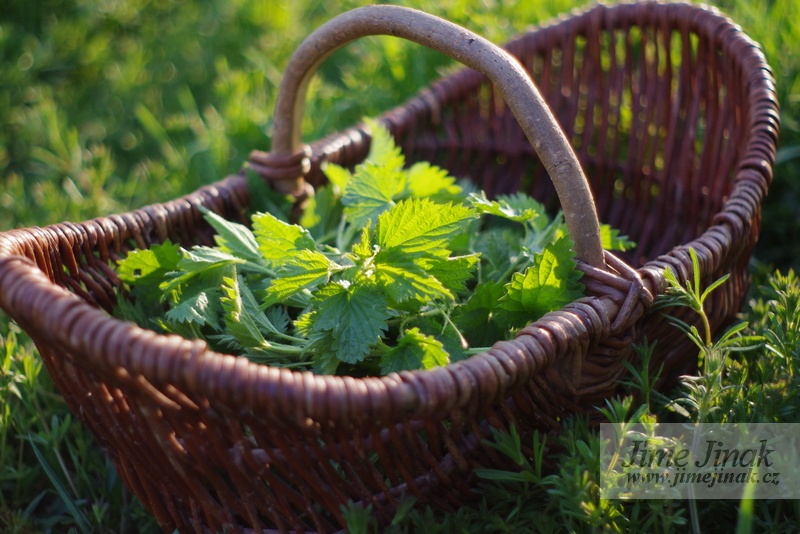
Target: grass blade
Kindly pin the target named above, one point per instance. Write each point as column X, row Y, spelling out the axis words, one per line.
column 80, row 518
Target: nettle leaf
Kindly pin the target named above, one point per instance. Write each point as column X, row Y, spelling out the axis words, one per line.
column 382, row 149
column 279, row 318
column 239, row 320
column 149, row 266
column 305, row 321
column 199, row 262
column 418, row 226
column 135, row 311
column 444, row 332
column 200, row 259
column 186, row 330
column 500, row 248
column 534, row 213
column 233, row 238
column 519, row 208
column 428, row 181
column 199, row 308
column 611, row 240
column 251, row 307
column 306, row 269
column 453, row 273
column 278, row 242
column 322, row 213
column 347, row 321
column 552, row 282
column 414, row 350
column 463, row 242
column 371, row 192
column 534, row 242
column 326, row 363
column 363, row 248
column 483, row 299
column 193, row 297
column 403, row 280
column 475, row 318
column 338, row 176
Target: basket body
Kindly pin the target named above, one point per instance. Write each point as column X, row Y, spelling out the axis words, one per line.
column 672, row 112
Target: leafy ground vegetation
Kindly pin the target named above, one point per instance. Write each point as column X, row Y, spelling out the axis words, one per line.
column 111, row 105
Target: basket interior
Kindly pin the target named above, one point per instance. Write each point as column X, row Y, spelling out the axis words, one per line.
column 657, row 115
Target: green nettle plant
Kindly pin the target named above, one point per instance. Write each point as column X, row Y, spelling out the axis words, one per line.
column 391, row 268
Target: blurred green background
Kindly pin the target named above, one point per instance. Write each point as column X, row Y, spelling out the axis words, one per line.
column 107, row 105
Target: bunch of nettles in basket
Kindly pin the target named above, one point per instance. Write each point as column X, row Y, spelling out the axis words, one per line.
column 391, row 268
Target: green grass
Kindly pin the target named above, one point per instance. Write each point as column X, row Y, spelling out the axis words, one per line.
column 111, row 105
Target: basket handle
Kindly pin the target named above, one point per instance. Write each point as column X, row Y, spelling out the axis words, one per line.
column 505, row 72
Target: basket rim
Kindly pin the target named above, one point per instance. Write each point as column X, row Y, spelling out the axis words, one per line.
column 29, row 296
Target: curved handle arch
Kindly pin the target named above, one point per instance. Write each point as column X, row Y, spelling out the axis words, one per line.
column 502, row 69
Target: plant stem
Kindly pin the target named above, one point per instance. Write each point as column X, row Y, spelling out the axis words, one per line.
column 707, row 327
column 280, row 348
column 476, row 350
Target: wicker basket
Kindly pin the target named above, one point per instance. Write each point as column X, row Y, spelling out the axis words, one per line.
column 672, row 113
